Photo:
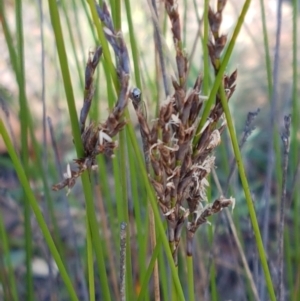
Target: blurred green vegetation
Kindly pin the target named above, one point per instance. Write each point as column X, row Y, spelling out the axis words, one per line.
column 44, row 50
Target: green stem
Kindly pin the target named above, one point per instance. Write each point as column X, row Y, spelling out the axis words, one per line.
column 73, row 47
column 149, row 271
column 133, row 44
column 137, row 205
column 125, row 216
column 247, row 192
column 35, row 207
column 118, row 18
column 87, row 189
column 212, row 272
column 63, row 60
column 94, row 228
column 190, row 275
column 90, row 262
column 24, row 146
column 11, row 277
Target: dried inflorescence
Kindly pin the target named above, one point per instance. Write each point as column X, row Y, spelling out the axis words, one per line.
column 180, row 158
column 97, row 137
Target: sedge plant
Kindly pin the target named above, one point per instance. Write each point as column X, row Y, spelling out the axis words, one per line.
column 161, row 191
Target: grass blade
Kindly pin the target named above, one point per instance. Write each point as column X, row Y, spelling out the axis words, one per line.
column 35, row 207
column 249, row 201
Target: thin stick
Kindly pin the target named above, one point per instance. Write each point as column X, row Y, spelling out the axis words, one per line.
column 123, row 261
column 286, row 145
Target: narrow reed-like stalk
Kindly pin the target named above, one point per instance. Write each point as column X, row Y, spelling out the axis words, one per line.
column 153, row 243
column 108, row 242
column 43, row 94
column 294, row 142
column 117, row 13
column 7, row 276
column 248, row 197
column 35, row 207
column 77, row 25
column 133, row 45
column 90, row 211
column 286, row 149
column 78, row 266
column 137, row 102
column 109, row 199
column 272, row 143
column 90, row 263
column 149, row 271
column 123, row 238
column 20, row 75
column 63, row 59
column 123, row 208
column 141, row 222
column 72, row 40
column 248, row 129
column 190, row 277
